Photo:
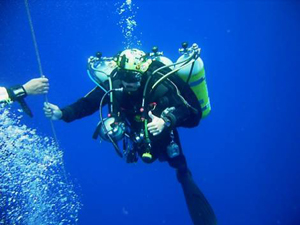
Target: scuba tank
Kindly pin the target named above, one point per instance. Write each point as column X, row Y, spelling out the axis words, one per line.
column 159, row 56
column 189, row 67
column 193, row 73
column 100, row 68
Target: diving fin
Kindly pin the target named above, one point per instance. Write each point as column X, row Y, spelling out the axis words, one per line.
column 200, row 210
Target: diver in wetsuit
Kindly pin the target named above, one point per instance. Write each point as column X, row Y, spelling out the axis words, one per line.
column 145, row 119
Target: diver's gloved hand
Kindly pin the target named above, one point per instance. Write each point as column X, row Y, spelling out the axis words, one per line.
column 52, row 111
column 157, row 125
column 37, row 86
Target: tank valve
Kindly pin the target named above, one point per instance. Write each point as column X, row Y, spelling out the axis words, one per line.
column 185, row 45
column 99, row 54
column 155, row 49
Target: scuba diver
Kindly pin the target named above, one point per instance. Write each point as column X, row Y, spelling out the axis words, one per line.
column 148, row 98
column 17, row 93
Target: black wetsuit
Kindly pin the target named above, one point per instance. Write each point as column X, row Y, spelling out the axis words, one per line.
column 128, row 106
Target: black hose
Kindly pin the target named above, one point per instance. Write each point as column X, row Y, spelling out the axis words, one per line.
column 185, row 62
column 118, row 151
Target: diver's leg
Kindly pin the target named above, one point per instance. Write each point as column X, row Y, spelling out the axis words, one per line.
column 200, row 210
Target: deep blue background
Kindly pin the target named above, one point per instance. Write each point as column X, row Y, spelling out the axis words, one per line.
column 244, row 156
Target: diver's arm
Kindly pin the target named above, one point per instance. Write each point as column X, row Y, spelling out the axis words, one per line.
column 4, row 97
column 34, row 86
column 17, row 93
column 183, row 115
column 84, row 106
column 170, row 118
column 12, row 94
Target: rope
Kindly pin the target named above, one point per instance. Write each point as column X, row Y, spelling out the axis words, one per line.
column 39, row 64
column 34, row 39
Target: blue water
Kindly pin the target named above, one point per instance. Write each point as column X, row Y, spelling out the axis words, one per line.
column 245, row 156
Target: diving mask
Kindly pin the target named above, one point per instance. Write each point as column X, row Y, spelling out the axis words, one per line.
column 130, row 76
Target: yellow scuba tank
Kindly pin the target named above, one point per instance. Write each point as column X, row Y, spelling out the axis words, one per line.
column 193, row 73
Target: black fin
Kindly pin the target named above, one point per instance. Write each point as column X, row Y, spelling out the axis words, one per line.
column 200, row 210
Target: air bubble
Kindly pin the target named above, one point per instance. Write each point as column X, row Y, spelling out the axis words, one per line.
column 34, row 187
column 127, row 12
